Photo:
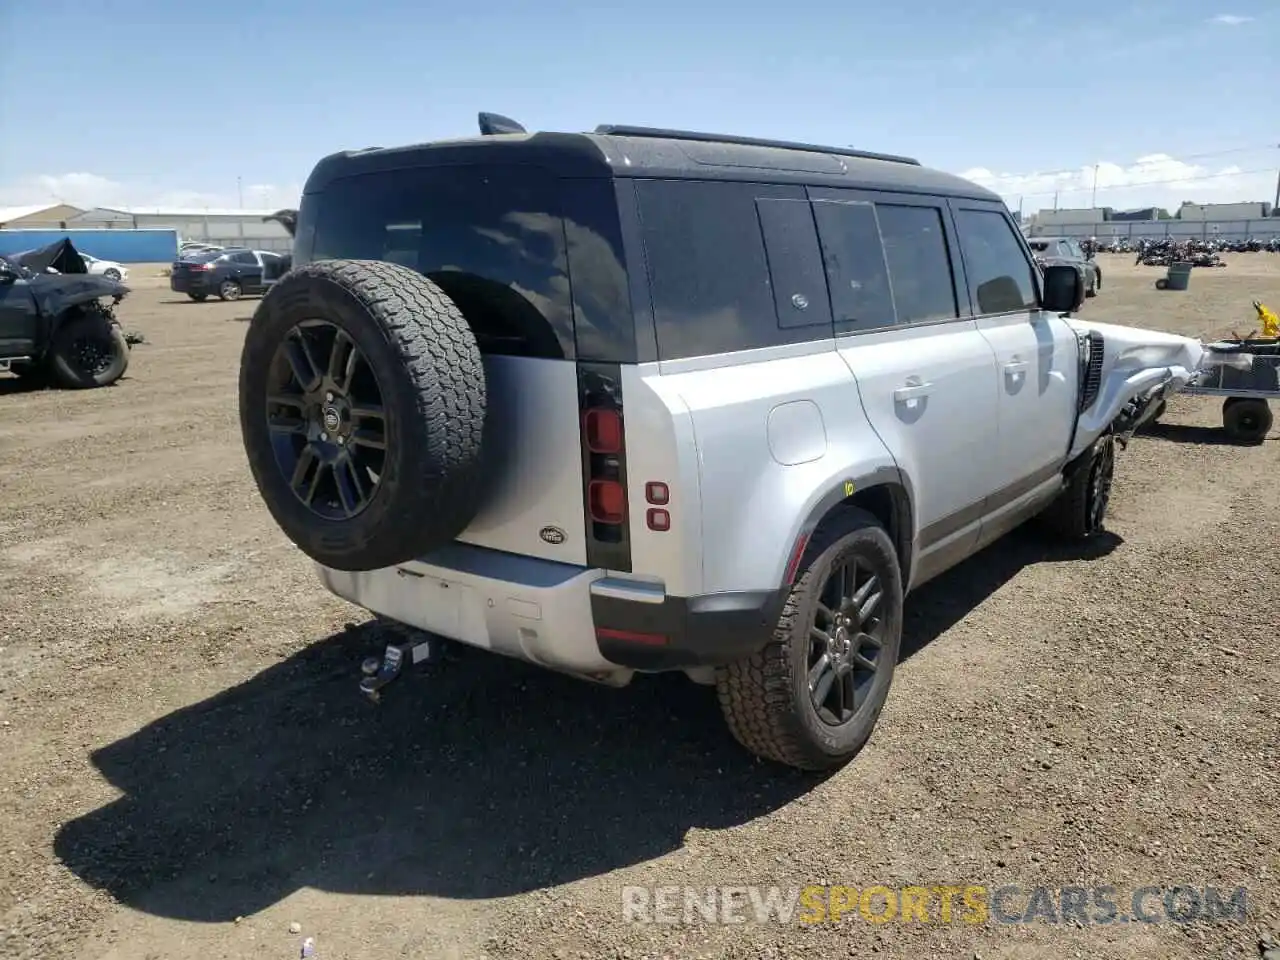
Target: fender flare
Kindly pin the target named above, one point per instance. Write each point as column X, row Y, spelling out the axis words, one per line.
column 856, row 486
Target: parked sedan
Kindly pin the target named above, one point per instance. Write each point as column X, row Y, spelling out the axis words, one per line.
column 105, row 268
column 227, row 274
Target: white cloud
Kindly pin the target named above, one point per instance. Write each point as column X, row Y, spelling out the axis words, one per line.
column 90, row 190
column 1230, row 19
column 1157, row 180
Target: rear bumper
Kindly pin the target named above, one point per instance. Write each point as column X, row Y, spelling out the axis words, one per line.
column 191, row 285
column 564, row 617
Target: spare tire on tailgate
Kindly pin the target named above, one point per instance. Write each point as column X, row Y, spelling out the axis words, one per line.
column 362, row 407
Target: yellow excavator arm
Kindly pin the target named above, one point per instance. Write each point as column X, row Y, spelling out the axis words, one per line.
column 1270, row 322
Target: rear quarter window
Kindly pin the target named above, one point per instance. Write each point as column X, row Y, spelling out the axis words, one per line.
column 490, row 236
column 731, row 266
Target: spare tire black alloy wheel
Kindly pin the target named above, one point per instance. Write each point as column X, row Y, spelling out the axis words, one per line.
column 845, row 641
column 362, row 410
column 327, row 421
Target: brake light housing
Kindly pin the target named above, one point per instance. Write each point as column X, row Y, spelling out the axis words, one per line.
column 602, row 422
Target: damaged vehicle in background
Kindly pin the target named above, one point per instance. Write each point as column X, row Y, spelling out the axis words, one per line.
column 58, row 321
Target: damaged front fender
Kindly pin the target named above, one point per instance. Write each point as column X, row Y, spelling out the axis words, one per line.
column 56, row 293
column 1140, row 368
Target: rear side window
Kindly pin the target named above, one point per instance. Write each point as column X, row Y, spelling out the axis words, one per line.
column 246, row 258
column 915, row 248
column 717, row 286
column 999, row 272
column 861, row 297
column 490, row 236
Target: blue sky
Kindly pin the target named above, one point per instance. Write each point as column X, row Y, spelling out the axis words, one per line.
column 151, row 101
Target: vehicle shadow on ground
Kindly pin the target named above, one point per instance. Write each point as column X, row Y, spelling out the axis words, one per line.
column 13, row 386
column 1186, row 433
column 476, row 778
column 10, row 385
column 942, row 603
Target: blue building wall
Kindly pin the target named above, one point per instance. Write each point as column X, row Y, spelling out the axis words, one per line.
column 123, row 246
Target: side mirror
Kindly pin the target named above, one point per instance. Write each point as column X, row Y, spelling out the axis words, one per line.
column 1063, row 289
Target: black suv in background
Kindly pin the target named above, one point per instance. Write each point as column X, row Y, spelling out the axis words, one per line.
column 1068, row 252
column 227, row 274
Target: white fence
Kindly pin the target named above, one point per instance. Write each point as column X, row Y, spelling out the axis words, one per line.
column 1261, row 229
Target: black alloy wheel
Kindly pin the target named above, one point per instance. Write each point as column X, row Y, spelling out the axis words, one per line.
column 327, row 421
column 1102, row 474
column 845, row 642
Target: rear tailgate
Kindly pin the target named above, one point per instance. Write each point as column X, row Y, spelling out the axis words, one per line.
column 534, row 504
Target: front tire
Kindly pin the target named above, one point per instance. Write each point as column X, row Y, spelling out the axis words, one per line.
column 88, row 351
column 1080, row 511
column 112, row 274
column 810, row 699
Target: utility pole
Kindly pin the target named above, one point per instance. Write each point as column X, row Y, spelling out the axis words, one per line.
column 1019, row 211
column 1276, row 206
column 1055, row 200
column 1094, row 202
column 240, row 191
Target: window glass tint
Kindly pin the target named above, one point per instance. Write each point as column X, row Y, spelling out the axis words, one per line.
column 247, row 258
column 708, row 275
column 490, row 236
column 999, row 273
column 915, row 247
column 795, row 265
column 857, row 275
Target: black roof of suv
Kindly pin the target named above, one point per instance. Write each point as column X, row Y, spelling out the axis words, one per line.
column 625, row 151
column 623, row 245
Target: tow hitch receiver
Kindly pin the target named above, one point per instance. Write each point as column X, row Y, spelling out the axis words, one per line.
column 380, row 672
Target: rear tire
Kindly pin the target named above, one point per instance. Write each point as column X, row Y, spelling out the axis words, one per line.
column 768, row 700
column 1246, row 419
column 112, row 274
column 376, row 460
column 89, row 350
column 229, row 290
column 1080, row 511
column 198, row 297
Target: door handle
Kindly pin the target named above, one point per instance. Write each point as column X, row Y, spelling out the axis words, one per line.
column 912, row 391
column 1015, row 367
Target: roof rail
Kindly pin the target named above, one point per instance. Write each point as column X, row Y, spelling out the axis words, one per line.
column 621, row 130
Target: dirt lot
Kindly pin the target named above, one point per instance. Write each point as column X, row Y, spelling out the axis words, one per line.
column 186, row 768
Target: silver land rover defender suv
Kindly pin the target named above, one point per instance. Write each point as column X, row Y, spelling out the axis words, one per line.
column 650, row 400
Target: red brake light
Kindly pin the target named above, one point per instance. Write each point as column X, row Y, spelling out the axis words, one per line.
column 657, row 493
column 657, row 520
column 608, row 501
column 604, row 431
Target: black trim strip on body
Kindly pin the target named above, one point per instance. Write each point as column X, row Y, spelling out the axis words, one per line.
column 953, row 523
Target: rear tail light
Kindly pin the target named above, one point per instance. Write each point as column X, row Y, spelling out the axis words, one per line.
column 607, row 501
column 603, row 430
column 604, row 466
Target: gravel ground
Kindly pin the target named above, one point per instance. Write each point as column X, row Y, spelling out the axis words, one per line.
column 186, row 768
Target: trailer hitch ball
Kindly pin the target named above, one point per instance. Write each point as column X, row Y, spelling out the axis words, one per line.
column 378, row 672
